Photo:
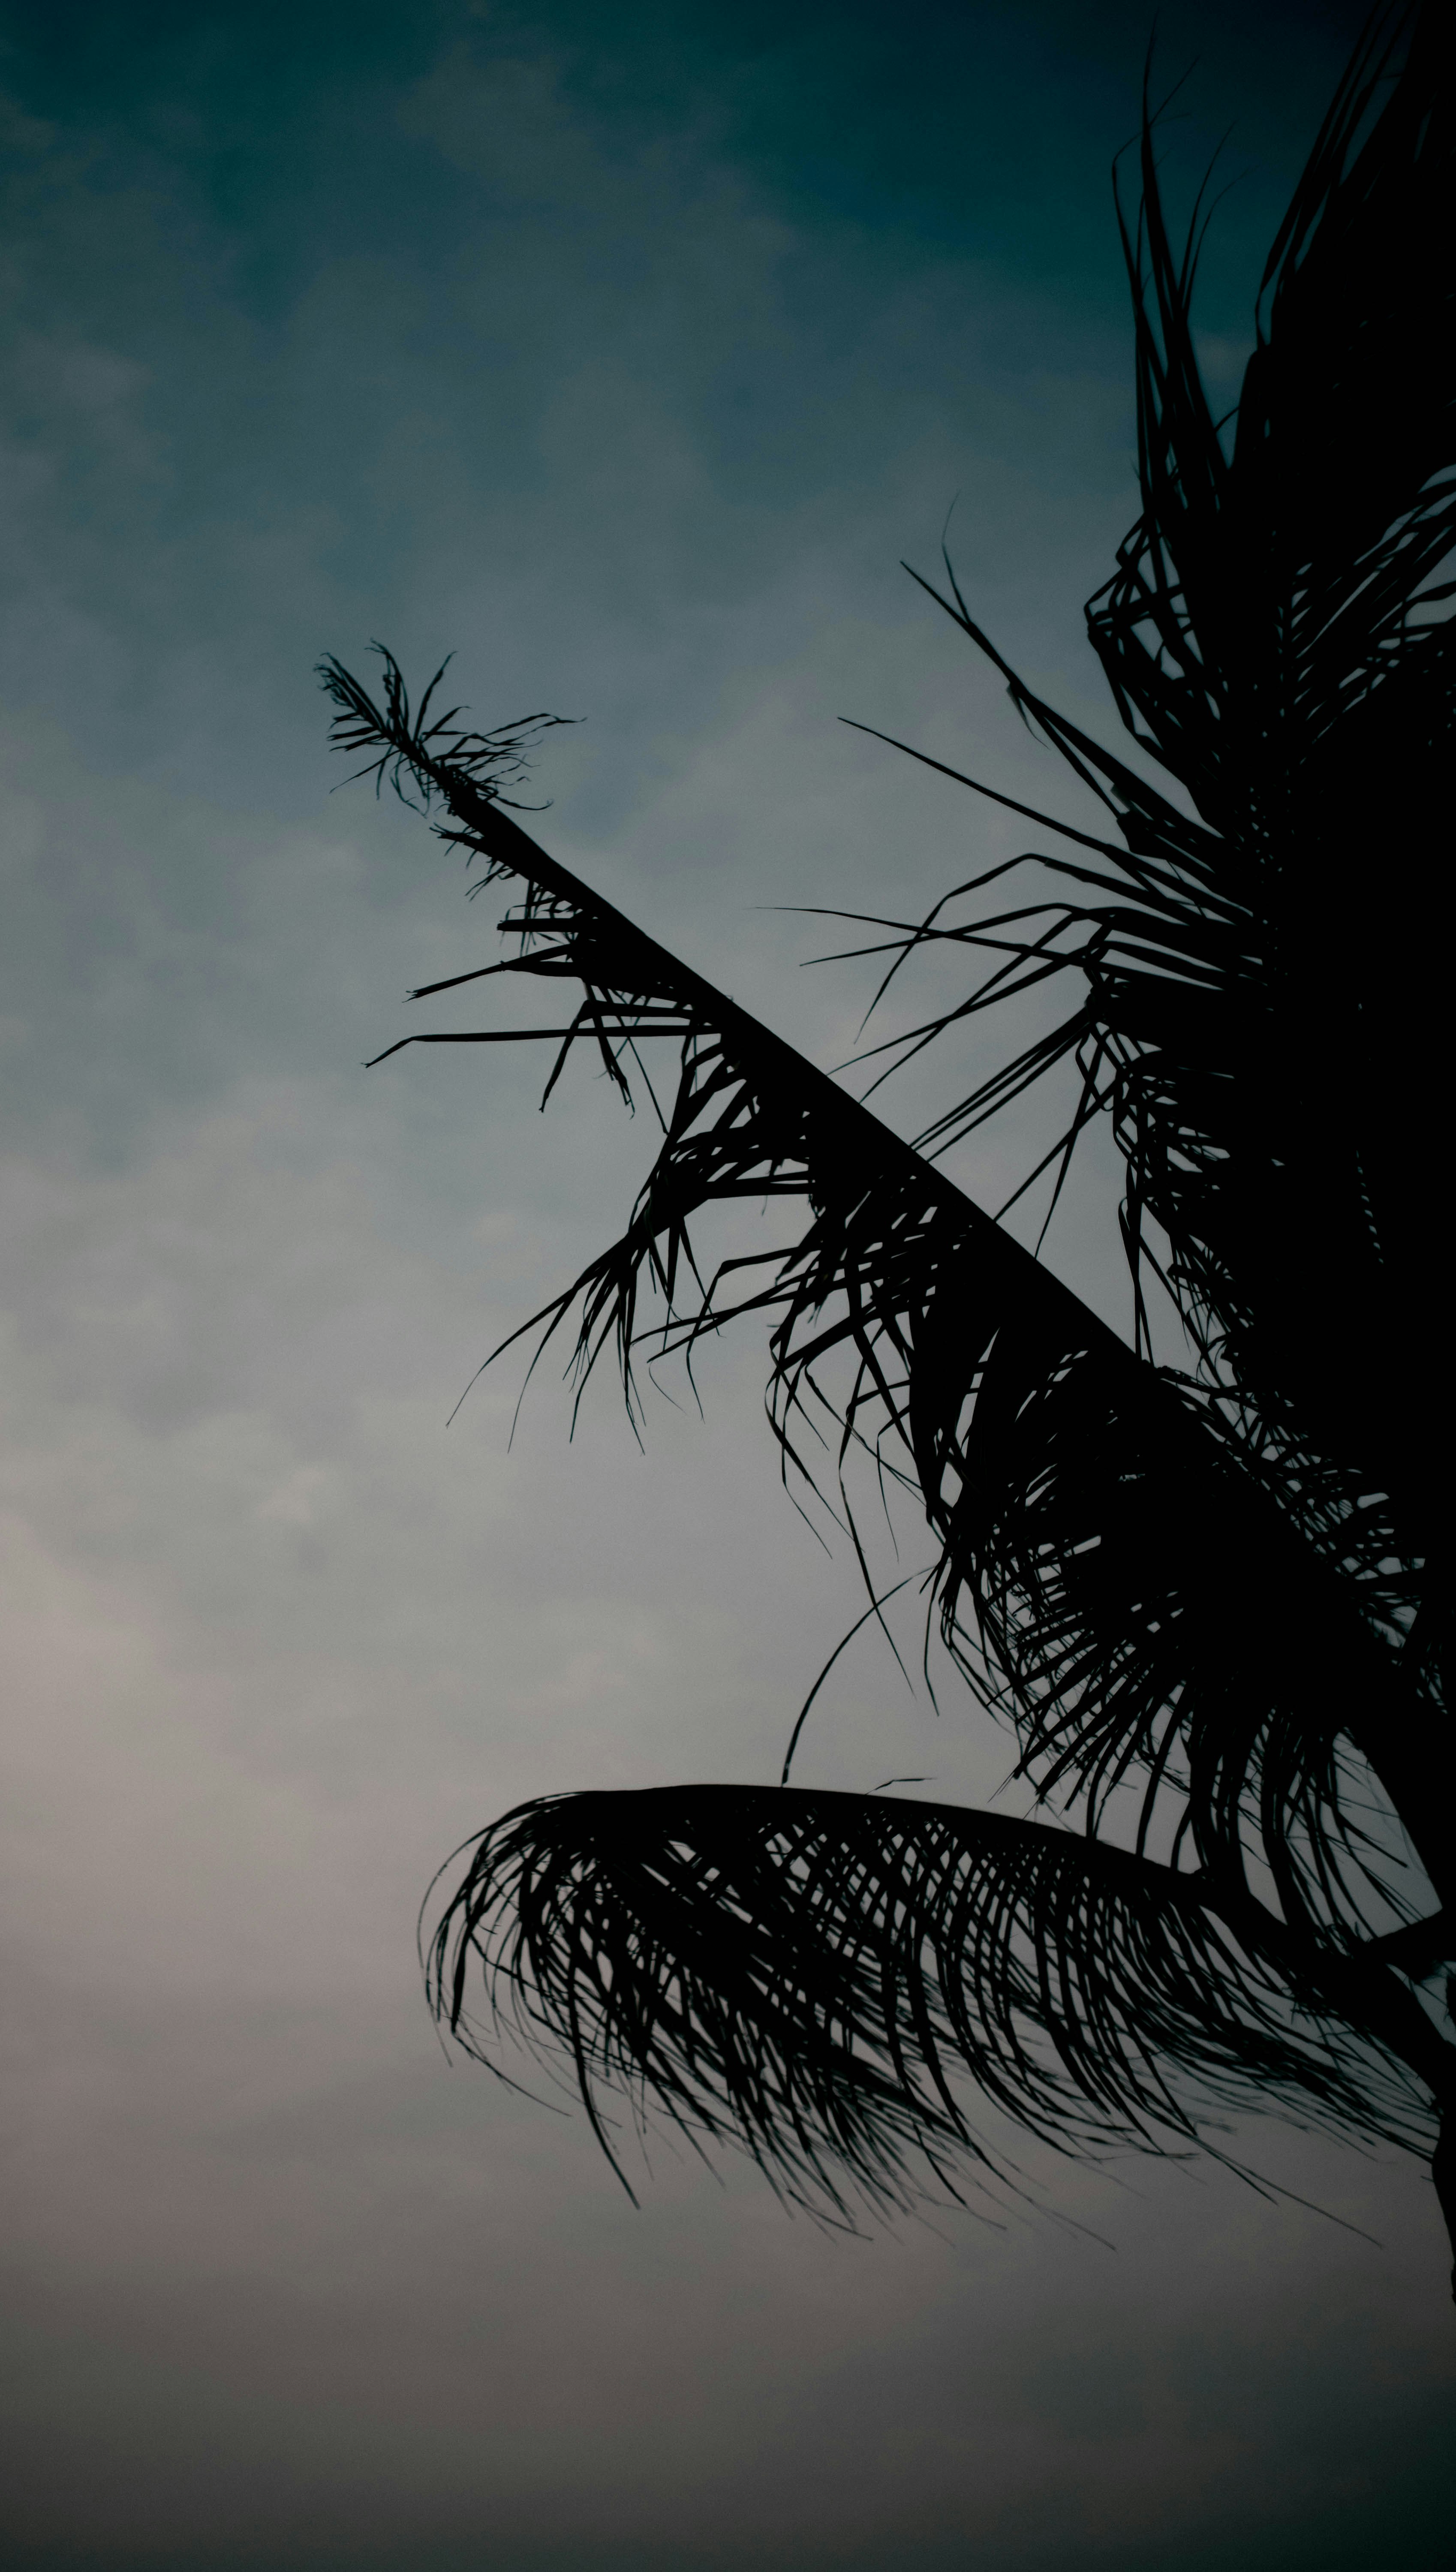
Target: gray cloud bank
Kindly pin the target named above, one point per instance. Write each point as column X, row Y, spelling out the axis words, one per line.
column 587, row 359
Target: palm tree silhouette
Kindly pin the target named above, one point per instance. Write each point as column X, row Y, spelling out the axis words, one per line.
column 1210, row 1595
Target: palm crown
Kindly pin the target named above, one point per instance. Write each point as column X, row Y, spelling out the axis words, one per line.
column 1217, row 1586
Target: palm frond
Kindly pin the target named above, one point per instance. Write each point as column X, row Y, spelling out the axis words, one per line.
column 1028, row 1432
column 817, row 1977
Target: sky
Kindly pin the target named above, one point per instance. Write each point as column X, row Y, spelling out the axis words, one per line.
column 625, row 354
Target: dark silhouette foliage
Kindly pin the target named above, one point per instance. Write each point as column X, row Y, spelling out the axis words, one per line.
column 1211, row 1594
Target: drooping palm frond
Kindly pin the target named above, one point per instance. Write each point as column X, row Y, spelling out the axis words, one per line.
column 817, row 1975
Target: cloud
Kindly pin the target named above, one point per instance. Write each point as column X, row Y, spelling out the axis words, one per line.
column 477, row 336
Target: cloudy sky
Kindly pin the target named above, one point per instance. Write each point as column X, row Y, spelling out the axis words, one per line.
column 624, row 354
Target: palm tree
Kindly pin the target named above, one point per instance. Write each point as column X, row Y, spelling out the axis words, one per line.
column 1207, row 1595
